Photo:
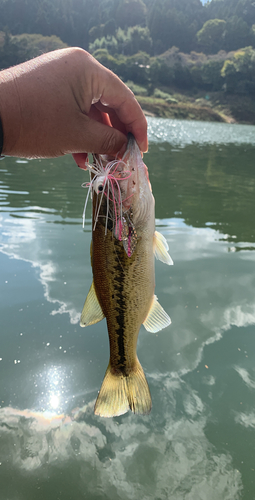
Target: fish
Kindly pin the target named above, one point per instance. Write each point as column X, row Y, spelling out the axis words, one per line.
column 124, row 243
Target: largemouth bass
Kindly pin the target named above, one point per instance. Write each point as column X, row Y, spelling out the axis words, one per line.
column 124, row 242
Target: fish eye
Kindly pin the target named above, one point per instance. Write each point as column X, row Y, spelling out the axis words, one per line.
column 100, row 188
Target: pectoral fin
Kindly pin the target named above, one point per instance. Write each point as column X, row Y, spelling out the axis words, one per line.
column 91, row 312
column 160, row 248
column 157, row 318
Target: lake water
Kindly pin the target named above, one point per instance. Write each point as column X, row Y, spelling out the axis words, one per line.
column 198, row 442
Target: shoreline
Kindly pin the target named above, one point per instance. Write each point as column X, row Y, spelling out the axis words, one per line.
column 219, row 108
column 160, row 108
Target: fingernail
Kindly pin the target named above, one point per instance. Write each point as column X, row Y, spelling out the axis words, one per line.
column 145, row 147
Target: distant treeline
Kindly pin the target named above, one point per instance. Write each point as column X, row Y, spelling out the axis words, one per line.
column 233, row 72
column 186, row 24
column 151, row 42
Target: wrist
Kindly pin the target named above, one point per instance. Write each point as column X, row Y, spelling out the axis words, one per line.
column 9, row 112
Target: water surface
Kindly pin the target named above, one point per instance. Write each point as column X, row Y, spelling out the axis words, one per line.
column 198, row 442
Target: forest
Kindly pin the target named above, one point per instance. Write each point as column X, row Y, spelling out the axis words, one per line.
column 182, row 58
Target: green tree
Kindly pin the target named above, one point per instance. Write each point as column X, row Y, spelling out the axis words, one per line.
column 127, row 42
column 67, row 19
column 103, row 56
column 20, row 48
column 182, row 76
column 237, row 33
column 133, row 40
column 107, row 30
column 135, row 67
column 110, row 28
column 225, row 9
column 211, row 75
column 96, row 32
column 131, row 13
column 239, row 72
column 8, row 50
column 160, row 73
column 211, row 37
column 109, row 43
column 174, row 22
column 139, row 72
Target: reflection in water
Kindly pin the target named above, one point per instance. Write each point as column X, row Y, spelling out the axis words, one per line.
column 53, row 384
column 196, row 444
column 163, row 456
column 26, row 239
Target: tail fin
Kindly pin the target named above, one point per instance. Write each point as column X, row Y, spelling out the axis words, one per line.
column 119, row 393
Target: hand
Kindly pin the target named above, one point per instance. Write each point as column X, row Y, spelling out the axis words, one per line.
column 67, row 102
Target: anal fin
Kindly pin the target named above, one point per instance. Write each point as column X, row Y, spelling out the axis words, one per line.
column 91, row 312
column 157, row 318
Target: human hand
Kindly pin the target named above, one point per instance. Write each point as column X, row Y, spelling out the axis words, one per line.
column 67, row 102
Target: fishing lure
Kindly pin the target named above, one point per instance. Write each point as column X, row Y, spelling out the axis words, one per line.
column 106, row 181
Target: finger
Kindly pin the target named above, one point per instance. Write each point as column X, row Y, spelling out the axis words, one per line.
column 114, row 119
column 100, row 115
column 119, row 98
column 97, row 112
column 81, row 160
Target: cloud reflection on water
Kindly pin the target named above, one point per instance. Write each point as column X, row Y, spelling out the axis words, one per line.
column 24, row 238
column 166, row 455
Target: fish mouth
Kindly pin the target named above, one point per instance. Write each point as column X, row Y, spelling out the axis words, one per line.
column 132, row 147
column 131, row 140
column 133, row 157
